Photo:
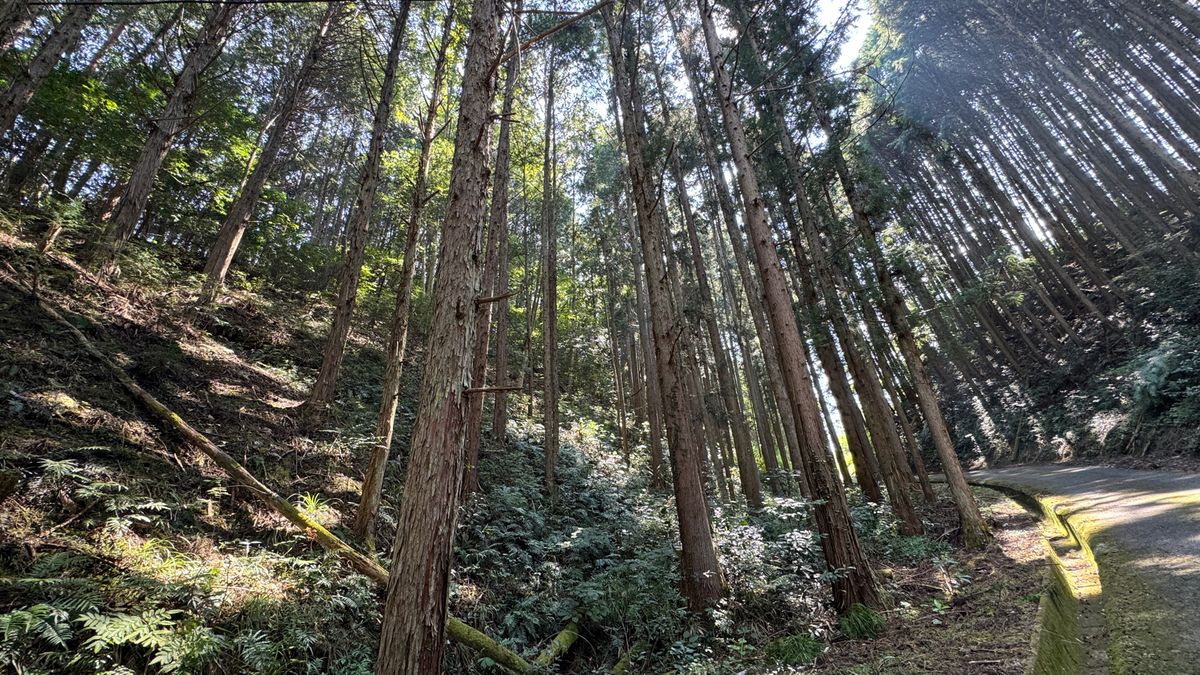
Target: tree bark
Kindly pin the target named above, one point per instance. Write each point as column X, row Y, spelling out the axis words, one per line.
column 133, row 198
column 550, row 392
column 703, row 580
column 15, row 18
column 385, row 419
column 316, row 408
column 839, row 542
column 411, row 640
column 495, row 282
column 240, row 211
column 62, row 40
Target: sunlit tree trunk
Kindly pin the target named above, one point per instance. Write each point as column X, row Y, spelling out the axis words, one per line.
column 839, row 541
column 412, row 637
column 703, row 580
column 131, row 204
column 242, row 208
column 316, row 408
column 385, row 418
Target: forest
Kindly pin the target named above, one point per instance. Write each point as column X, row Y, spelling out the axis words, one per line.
column 643, row 336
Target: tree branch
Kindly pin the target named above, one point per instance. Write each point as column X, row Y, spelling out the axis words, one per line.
column 567, row 23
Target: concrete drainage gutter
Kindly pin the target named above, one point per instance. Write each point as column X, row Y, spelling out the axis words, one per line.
column 1072, row 636
column 1096, row 615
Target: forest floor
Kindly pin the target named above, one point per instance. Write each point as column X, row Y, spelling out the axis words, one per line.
column 977, row 614
column 113, row 518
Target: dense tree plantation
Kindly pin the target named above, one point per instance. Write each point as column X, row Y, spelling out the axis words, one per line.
column 509, row 336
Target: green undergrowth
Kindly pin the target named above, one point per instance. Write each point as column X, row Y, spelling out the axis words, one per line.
column 1130, row 393
column 123, row 551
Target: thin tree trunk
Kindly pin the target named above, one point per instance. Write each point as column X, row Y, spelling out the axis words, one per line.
column 316, row 408
column 617, row 365
column 62, row 40
column 385, row 419
column 839, row 541
column 238, row 216
column 164, row 130
column 550, row 392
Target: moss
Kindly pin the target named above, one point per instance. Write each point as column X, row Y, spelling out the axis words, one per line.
column 796, row 650
column 1141, row 630
column 862, row 623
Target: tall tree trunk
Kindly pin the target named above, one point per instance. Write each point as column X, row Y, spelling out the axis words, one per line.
column 184, row 96
column 385, row 419
column 495, row 282
column 242, row 208
column 316, row 408
column 884, row 440
column 726, row 382
column 703, row 580
column 550, row 289
column 975, row 530
column 614, row 348
column 412, row 638
column 839, row 542
column 62, row 40
column 774, row 375
column 654, row 401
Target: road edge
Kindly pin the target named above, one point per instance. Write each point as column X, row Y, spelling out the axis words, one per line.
column 1098, row 615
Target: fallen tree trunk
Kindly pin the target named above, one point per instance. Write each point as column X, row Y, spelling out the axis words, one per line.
column 622, row 666
column 456, row 629
column 559, row 645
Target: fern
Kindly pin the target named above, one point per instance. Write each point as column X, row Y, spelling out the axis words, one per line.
column 53, row 563
column 256, row 649
column 149, row 629
column 44, row 623
column 60, row 468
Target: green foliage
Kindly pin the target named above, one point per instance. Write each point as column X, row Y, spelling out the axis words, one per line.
column 1166, row 381
column 915, row 549
column 23, row 629
column 169, row 645
column 795, row 650
column 600, row 552
column 862, row 623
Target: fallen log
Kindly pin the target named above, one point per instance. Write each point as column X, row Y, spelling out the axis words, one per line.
column 456, row 630
column 559, row 645
column 622, row 666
